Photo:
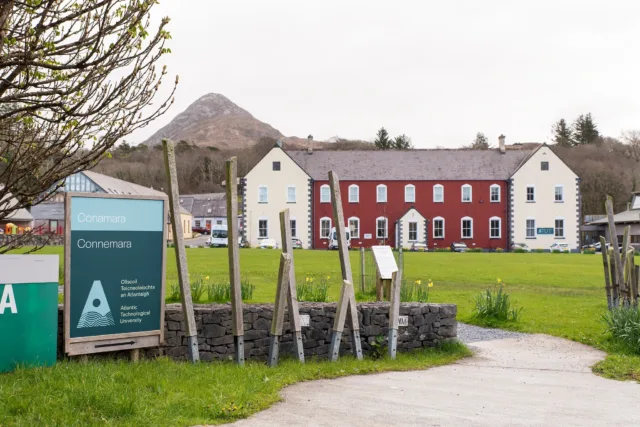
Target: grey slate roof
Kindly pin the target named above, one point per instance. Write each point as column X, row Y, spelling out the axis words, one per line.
column 205, row 205
column 117, row 186
column 47, row 211
column 18, row 215
column 427, row 165
column 629, row 216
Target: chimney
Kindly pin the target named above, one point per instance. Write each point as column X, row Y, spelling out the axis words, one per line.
column 501, row 144
column 309, row 150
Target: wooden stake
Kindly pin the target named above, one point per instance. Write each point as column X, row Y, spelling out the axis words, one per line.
column 347, row 295
column 181, row 255
column 394, row 313
column 237, row 315
column 362, row 271
column 605, row 263
column 617, row 261
column 379, row 286
column 277, row 320
column 615, row 289
column 636, row 278
column 135, row 355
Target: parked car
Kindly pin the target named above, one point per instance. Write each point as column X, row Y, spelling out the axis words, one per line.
column 562, row 247
column 459, row 247
column 520, row 247
column 419, row 247
column 268, row 244
column 201, row 230
column 297, row 243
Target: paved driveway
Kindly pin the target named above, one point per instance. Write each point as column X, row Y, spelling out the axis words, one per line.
column 521, row 380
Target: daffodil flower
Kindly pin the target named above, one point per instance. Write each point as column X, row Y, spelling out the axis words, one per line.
column 499, row 280
column 430, row 284
column 419, row 282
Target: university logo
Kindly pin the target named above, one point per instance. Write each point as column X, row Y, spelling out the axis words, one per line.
column 96, row 310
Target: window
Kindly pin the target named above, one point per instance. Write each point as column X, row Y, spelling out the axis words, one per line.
column 531, row 193
column 559, row 229
column 263, row 194
column 494, row 193
column 325, row 227
column 219, row 222
column 438, row 193
column 263, row 228
column 354, row 194
column 291, row 193
column 294, row 227
column 495, row 227
column 544, row 166
column 467, row 228
column 409, row 193
column 197, row 223
column 276, row 166
column 413, row 231
column 466, row 193
column 354, row 227
column 531, row 228
column 438, row 228
column 381, row 228
column 325, row 194
column 381, row 193
column 559, row 193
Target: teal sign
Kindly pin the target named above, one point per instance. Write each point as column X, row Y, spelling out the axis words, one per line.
column 28, row 310
column 544, row 231
column 116, row 277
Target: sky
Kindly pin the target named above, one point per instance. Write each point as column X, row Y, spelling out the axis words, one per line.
column 438, row 72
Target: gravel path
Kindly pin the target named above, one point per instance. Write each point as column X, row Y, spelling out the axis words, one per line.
column 470, row 334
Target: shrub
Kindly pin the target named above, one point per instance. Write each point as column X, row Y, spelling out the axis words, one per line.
column 589, row 251
column 378, row 347
column 219, row 292
column 415, row 291
column 313, row 290
column 520, row 251
column 624, row 325
column 442, row 250
column 557, row 251
column 495, row 304
column 474, row 250
column 175, row 292
column 539, row 251
column 246, row 289
column 499, row 250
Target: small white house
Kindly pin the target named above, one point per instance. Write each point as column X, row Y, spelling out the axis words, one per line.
column 274, row 184
column 545, row 202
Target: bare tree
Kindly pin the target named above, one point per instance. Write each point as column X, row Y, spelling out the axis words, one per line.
column 75, row 77
column 632, row 139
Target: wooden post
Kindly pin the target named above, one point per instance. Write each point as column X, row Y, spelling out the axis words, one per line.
column 637, row 284
column 181, row 255
column 291, row 291
column 347, row 296
column 615, row 289
column 277, row 320
column 617, row 261
column 363, row 286
column 605, row 263
column 135, row 355
column 237, row 315
column 394, row 313
column 623, row 259
column 379, row 289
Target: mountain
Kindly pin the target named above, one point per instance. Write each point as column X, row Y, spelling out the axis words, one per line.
column 214, row 121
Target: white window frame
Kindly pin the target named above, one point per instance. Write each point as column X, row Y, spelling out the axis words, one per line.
column 438, row 218
column 294, row 230
column 266, row 194
column 495, row 218
column 555, row 188
column 378, row 188
column 526, row 228
column 466, row 218
column 409, row 231
column 355, row 199
column 491, row 188
column 564, row 226
column 441, row 188
column 325, row 218
column 355, row 219
column 386, row 228
column 464, row 187
column 526, row 194
column 295, row 194
column 410, row 187
column 328, row 190
column 263, row 218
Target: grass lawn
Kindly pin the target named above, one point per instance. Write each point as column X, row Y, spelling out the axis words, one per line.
column 165, row 393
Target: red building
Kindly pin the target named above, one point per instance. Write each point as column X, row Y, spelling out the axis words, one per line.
column 456, row 195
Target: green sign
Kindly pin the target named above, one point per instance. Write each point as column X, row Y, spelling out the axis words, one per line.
column 28, row 310
column 116, row 248
column 545, row 230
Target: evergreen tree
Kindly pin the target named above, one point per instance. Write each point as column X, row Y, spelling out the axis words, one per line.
column 562, row 134
column 402, row 142
column 481, row 142
column 382, row 141
column 585, row 131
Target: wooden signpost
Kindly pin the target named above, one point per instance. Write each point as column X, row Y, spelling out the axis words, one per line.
column 394, row 314
column 237, row 315
column 181, row 256
column 389, row 277
column 347, row 300
column 386, row 268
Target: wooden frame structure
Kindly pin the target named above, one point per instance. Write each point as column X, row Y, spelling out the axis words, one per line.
column 347, row 300
column 113, row 342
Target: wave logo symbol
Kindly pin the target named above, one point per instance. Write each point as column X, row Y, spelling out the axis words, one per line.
column 96, row 312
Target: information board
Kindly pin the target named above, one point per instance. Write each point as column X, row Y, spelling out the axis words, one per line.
column 547, row 230
column 386, row 262
column 115, row 263
column 28, row 310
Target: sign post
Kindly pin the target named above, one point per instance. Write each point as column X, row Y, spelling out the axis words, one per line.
column 386, row 267
column 28, row 310
column 114, row 272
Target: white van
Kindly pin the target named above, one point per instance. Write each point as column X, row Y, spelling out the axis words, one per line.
column 219, row 234
column 333, row 241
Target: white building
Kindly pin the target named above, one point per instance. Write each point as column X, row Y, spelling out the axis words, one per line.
column 545, row 202
column 274, row 184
